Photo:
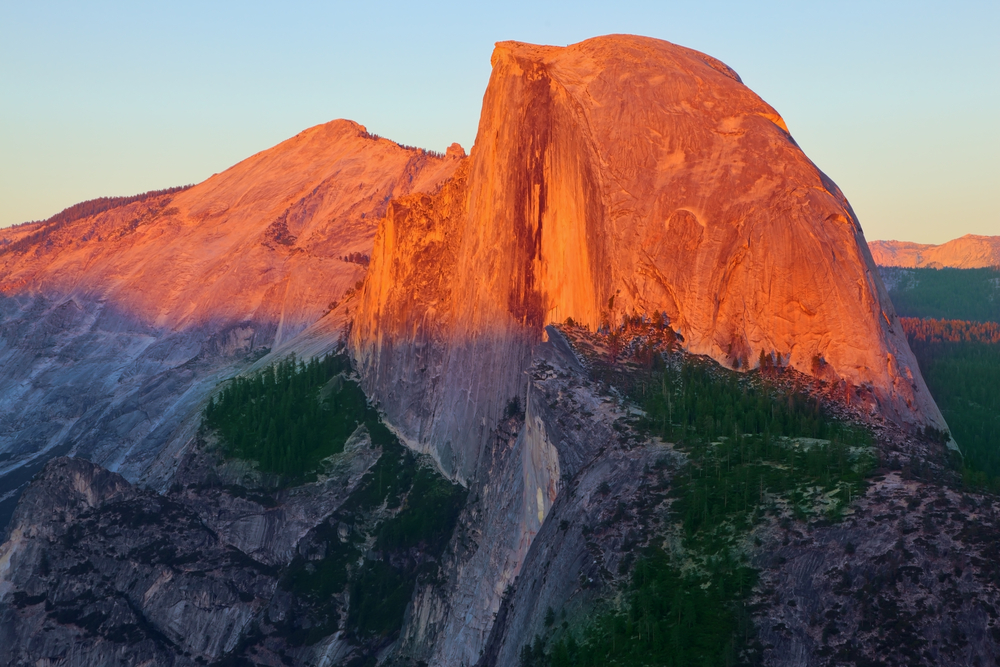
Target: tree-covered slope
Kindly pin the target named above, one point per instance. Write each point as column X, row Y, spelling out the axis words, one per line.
column 756, row 450
column 952, row 322
column 949, row 294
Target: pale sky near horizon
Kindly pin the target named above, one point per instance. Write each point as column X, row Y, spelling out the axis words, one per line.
column 898, row 102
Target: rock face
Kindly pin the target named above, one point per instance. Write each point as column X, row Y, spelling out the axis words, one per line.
column 612, row 179
column 572, row 469
column 871, row 582
column 98, row 572
column 568, row 495
column 967, row 252
column 115, row 327
column 616, row 176
column 266, row 524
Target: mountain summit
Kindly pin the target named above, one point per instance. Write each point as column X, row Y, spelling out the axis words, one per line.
column 116, row 326
column 616, row 177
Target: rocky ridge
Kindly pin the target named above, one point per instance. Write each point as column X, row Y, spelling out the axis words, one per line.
column 116, row 327
column 968, row 252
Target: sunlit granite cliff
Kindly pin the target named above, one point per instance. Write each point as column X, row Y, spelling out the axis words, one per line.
column 621, row 175
column 629, row 209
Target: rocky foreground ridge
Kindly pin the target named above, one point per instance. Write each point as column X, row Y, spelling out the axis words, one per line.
column 968, row 252
column 221, row 568
column 630, row 212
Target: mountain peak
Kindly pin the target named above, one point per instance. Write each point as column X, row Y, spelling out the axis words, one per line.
column 616, row 177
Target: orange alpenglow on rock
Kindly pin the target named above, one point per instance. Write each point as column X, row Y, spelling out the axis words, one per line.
column 140, row 309
column 967, row 252
column 261, row 242
column 619, row 175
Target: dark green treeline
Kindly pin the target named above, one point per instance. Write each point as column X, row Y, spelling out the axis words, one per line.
column 688, row 606
column 964, row 379
column 278, row 417
column 949, row 294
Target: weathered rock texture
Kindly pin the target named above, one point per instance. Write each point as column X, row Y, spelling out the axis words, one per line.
column 539, row 472
column 598, row 507
column 909, row 578
column 114, row 328
column 619, row 175
column 967, row 252
column 96, row 572
column 266, row 523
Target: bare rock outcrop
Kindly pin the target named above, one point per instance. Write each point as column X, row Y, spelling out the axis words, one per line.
column 561, row 457
column 115, row 327
column 95, row 571
column 968, row 252
column 616, row 176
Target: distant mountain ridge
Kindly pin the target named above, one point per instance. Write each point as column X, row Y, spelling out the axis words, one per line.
column 967, row 252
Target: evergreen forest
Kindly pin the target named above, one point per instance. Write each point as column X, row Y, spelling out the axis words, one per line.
column 755, row 450
column 952, row 321
column 289, row 416
column 964, row 378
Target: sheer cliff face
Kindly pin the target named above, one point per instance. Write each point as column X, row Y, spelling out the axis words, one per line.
column 967, row 252
column 620, row 175
column 115, row 327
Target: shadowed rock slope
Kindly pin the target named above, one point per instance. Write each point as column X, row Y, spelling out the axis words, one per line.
column 620, row 175
column 99, row 573
column 572, row 496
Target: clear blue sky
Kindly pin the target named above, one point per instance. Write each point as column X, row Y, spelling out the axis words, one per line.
column 899, row 102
